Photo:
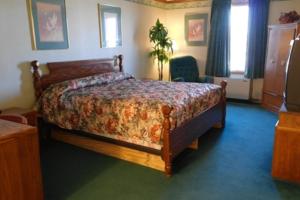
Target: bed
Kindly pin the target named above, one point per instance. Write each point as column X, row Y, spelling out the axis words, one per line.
column 93, row 104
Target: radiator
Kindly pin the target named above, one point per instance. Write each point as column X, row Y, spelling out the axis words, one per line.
column 237, row 87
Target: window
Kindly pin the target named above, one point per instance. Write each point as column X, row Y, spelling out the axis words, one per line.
column 110, row 26
column 238, row 39
column 111, row 29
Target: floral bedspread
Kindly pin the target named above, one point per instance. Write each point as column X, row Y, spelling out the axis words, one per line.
column 117, row 106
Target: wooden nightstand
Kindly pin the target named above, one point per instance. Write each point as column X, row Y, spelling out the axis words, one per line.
column 20, row 171
column 31, row 115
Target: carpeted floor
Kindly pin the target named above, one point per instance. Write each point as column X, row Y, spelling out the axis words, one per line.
column 233, row 163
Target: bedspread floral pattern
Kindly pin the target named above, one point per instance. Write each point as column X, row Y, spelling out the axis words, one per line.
column 117, row 106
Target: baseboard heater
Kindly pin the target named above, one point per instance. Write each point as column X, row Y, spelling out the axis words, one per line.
column 237, row 87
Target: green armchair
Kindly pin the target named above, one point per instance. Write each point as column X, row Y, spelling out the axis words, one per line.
column 185, row 69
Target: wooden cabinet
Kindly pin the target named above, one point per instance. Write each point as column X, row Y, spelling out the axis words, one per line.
column 286, row 157
column 279, row 40
column 20, row 173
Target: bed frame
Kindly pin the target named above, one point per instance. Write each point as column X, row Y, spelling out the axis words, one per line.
column 174, row 142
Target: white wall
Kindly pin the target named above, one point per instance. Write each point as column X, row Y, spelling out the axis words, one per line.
column 16, row 87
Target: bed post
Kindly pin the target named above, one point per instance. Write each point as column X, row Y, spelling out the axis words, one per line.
column 223, row 102
column 166, row 150
column 120, row 57
column 36, row 78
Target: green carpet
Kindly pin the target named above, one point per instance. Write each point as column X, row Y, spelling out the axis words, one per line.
column 233, row 163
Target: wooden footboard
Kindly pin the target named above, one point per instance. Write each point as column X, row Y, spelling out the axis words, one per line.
column 175, row 141
column 166, row 150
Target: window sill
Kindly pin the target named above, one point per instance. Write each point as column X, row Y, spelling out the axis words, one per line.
column 235, row 75
column 237, row 72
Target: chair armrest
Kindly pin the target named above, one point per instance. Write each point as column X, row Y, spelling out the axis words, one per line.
column 178, row 79
column 14, row 118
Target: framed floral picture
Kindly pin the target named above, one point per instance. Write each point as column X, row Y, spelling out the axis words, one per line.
column 48, row 24
column 196, row 29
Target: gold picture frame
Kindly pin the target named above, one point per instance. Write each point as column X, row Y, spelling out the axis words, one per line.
column 48, row 24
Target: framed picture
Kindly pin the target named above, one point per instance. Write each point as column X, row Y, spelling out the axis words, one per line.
column 110, row 26
column 48, row 24
column 196, row 29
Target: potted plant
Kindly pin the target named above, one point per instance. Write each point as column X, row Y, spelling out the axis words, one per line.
column 162, row 48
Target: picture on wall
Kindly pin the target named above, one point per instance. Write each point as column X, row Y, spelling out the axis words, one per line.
column 48, row 24
column 110, row 26
column 196, row 29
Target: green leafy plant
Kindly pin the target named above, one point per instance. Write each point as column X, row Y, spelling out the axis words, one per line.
column 162, row 48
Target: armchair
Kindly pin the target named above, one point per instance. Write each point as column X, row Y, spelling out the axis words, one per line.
column 185, row 69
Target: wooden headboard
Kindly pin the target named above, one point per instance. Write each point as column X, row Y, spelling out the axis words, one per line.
column 68, row 70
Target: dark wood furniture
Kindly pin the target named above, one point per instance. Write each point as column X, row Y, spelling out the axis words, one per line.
column 20, row 172
column 278, row 47
column 286, row 157
column 174, row 141
column 29, row 114
column 14, row 118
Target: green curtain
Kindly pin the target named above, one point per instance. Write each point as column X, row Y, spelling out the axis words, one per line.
column 257, row 38
column 219, row 43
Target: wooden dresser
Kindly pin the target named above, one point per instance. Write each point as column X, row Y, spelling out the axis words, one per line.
column 20, row 172
column 286, row 157
column 277, row 54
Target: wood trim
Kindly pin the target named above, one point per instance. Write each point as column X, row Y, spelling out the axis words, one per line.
column 117, row 151
column 166, row 150
column 109, row 140
column 223, row 102
column 14, row 118
column 194, row 145
column 36, row 78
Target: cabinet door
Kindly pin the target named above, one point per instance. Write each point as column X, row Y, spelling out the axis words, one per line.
column 11, row 186
column 31, row 170
column 286, row 35
column 271, row 61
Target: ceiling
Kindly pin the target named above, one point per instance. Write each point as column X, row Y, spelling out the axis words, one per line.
column 176, row 1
